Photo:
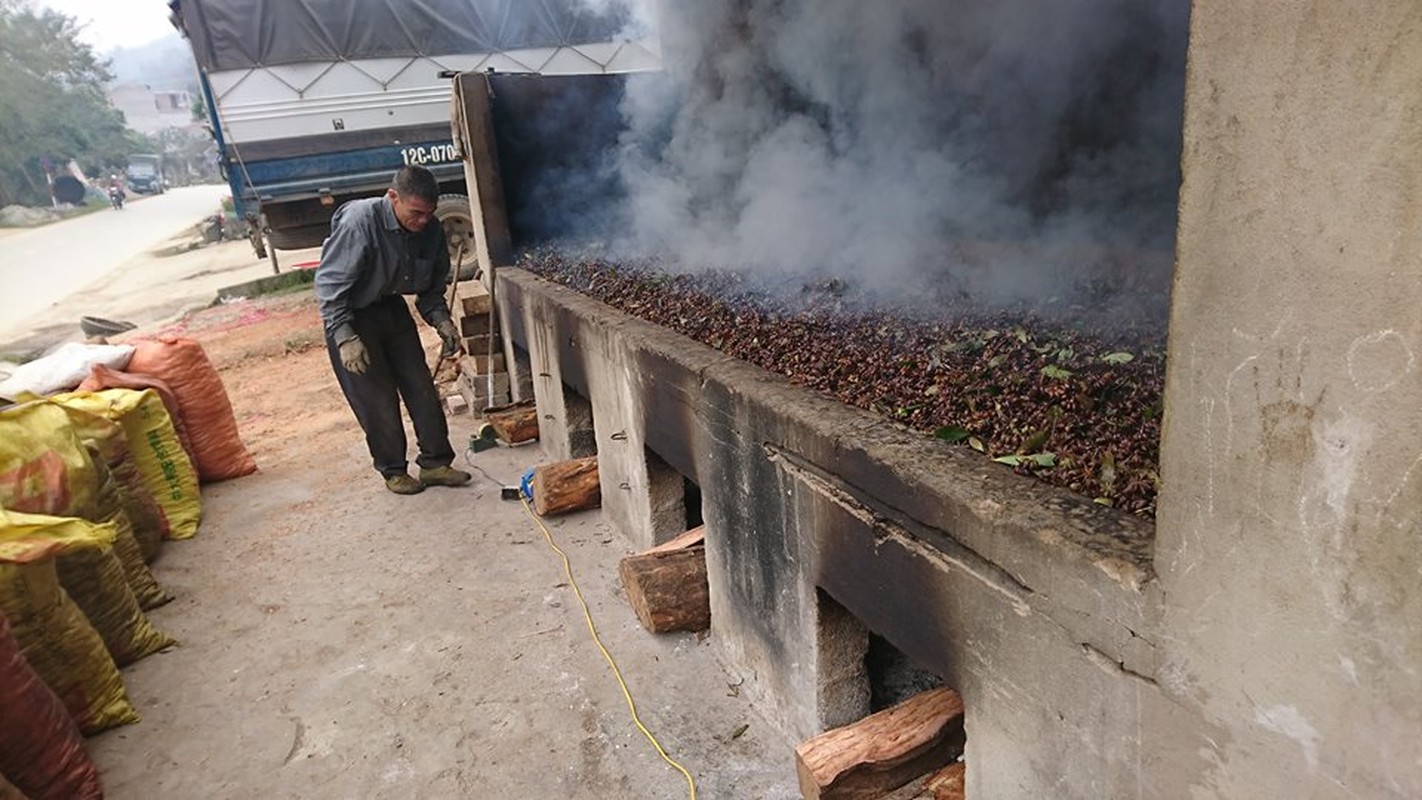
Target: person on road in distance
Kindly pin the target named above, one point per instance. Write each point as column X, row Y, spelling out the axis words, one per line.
column 380, row 249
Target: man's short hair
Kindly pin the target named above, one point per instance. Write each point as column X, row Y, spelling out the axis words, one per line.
column 413, row 181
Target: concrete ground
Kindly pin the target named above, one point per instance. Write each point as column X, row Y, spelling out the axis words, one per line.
column 339, row 641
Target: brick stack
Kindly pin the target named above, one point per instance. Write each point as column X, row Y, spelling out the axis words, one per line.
column 477, row 366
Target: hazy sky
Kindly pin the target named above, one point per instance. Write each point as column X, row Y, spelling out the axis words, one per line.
column 107, row 24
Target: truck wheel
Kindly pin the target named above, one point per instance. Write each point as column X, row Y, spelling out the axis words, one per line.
column 299, row 237
column 457, row 220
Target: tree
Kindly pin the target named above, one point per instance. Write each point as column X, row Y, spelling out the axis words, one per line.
column 52, row 103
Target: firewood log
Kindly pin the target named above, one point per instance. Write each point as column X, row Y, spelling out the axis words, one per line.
column 883, row 751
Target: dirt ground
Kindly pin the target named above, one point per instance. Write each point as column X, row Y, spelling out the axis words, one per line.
column 339, row 641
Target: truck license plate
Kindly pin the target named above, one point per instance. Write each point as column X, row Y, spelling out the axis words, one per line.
column 430, row 154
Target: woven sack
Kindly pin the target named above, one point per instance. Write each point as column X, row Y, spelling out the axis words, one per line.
column 41, row 751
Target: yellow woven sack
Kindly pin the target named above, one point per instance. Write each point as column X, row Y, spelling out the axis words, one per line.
column 95, row 581
column 109, row 438
column 112, row 585
column 43, row 467
column 34, row 537
column 155, row 447
column 108, row 508
column 53, row 633
column 150, row 528
column 96, row 427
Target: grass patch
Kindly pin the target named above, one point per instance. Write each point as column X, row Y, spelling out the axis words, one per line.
column 297, row 288
column 270, row 286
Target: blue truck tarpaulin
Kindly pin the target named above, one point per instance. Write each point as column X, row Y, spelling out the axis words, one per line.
column 240, row 34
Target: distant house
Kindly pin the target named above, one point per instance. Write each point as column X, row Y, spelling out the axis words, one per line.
column 149, row 110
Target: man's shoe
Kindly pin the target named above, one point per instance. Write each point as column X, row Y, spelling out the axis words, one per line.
column 444, row 476
column 403, row 484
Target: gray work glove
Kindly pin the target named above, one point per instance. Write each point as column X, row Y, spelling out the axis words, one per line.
column 354, row 357
column 449, row 336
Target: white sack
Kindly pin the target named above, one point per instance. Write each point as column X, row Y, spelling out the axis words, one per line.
column 65, row 368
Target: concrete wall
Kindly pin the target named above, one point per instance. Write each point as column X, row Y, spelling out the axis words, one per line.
column 825, row 522
column 1289, row 548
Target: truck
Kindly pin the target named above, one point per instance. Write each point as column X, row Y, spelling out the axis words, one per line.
column 145, row 173
column 315, row 104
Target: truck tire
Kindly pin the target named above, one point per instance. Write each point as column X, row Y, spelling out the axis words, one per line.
column 457, row 220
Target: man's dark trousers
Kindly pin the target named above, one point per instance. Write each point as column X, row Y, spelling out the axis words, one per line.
column 397, row 371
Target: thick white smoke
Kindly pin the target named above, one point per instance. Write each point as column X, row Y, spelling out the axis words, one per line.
column 1006, row 148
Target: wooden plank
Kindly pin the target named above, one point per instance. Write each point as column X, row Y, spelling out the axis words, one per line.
column 682, row 541
column 883, row 751
column 474, row 127
column 668, row 589
column 566, row 486
column 949, row 783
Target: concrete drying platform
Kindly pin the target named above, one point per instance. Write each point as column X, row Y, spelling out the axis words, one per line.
column 825, row 524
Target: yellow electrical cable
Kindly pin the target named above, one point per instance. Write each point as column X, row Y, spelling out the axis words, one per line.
column 587, row 614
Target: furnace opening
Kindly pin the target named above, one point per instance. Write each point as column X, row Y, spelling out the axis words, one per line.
column 691, row 499
column 582, row 435
column 893, row 676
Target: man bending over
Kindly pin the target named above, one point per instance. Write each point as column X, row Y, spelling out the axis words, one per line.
column 379, row 250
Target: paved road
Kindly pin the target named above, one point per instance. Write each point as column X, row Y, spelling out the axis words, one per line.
column 42, row 266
